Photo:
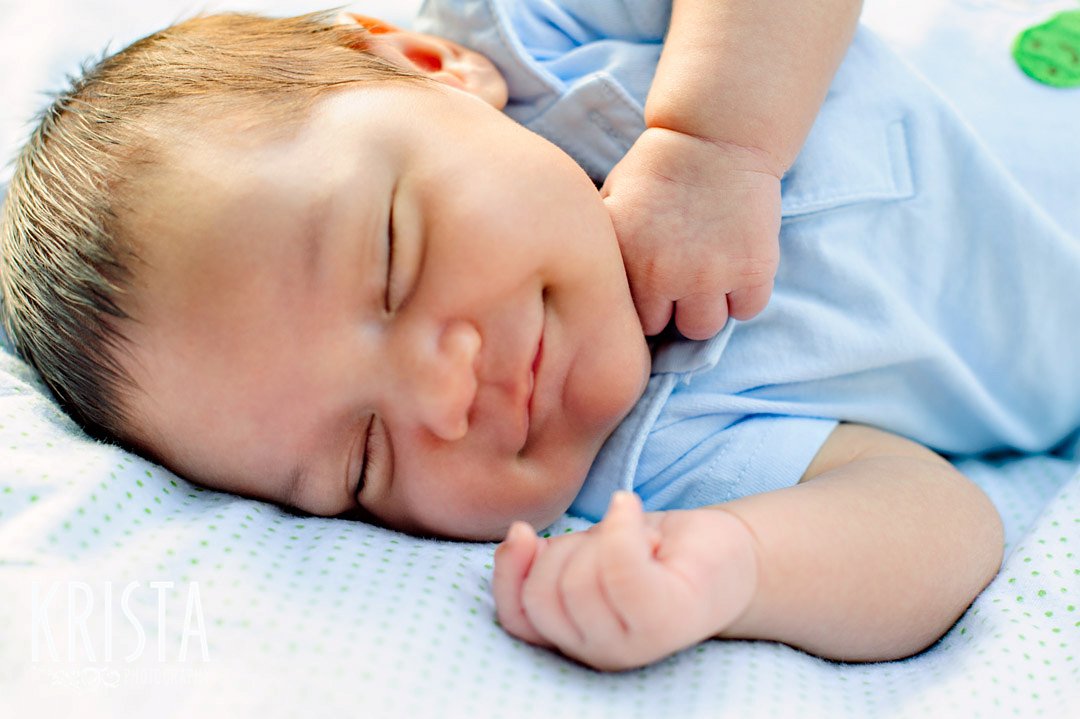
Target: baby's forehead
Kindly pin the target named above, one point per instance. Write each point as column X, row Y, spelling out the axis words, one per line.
column 209, row 136
column 233, row 186
column 192, row 177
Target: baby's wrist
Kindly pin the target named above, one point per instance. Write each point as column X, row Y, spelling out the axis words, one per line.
column 738, row 153
column 735, row 587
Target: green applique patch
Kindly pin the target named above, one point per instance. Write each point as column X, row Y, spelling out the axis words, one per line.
column 1050, row 53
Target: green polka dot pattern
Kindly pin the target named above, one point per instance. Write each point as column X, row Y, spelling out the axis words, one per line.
column 1050, row 52
column 299, row 612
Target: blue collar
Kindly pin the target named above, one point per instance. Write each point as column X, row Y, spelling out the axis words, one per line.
column 689, row 356
column 484, row 26
column 589, row 113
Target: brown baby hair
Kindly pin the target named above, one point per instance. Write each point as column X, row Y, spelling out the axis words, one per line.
column 66, row 259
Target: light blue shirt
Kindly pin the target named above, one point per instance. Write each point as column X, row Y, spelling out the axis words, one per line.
column 920, row 289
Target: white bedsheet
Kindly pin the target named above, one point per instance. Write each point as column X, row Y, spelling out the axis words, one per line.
column 315, row 617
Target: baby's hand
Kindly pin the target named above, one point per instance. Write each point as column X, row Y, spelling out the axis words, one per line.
column 632, row 589
column 698, row 222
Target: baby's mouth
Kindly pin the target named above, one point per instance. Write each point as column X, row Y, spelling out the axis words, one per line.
column 532, row 376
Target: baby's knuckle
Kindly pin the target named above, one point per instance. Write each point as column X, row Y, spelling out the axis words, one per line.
column 511, row 619
column 508, row 614
column 611, row 657
column 573, row 587
column 761, row 264
column 619, row 580
column 656, row 272
column 533, row 596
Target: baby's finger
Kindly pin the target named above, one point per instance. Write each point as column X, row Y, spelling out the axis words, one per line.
column 654, row 310
column 628, row 570
column 588, row 606
column 701, row 315
column 749, row 301
column 513, row 560
column 540, row 596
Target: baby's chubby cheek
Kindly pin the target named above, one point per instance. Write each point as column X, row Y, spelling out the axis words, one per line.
column 538, row 502
column 604, row 387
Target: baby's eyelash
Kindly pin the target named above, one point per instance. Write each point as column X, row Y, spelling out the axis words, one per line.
column 389, row 258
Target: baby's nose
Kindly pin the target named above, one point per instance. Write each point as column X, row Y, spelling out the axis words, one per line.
column 444, row 385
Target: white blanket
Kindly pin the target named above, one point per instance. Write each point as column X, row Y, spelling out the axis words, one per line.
column 126, row 591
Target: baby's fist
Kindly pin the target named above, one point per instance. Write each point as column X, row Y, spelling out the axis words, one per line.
column 698, row 223
column 633, row 589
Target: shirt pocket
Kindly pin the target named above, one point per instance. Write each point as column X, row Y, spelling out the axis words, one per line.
column 848, row 159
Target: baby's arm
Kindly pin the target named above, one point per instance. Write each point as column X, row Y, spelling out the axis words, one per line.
column 696, row 199
column 872, row 556
column 750, row 73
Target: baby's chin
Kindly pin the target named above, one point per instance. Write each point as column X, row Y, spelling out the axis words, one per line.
column 542, row 511
column 496, row 534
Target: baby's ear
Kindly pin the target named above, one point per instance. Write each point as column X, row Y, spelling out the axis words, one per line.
column 436, row 57
column 373, row 25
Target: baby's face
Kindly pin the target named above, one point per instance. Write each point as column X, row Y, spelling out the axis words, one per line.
column 413, row 306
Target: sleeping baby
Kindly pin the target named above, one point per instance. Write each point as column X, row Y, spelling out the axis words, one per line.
column 367, row 273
